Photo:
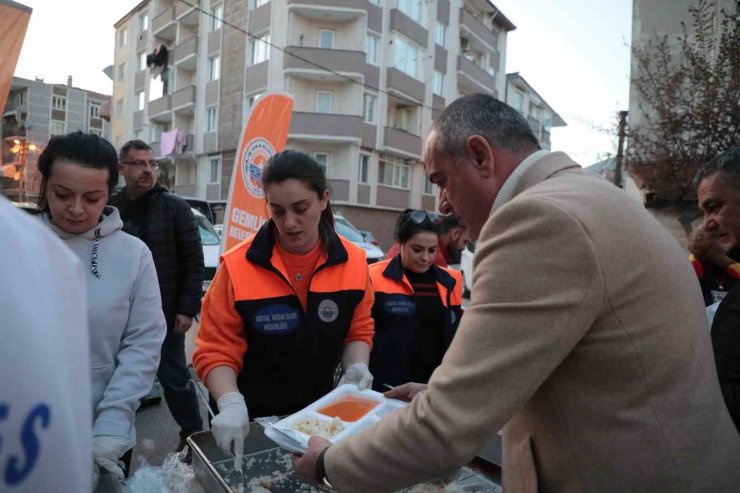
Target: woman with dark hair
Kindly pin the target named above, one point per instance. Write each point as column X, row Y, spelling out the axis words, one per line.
column 417, row 305
column 286, row 306
column 125, row 317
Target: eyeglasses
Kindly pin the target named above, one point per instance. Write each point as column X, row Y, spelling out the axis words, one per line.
column 419, row 216
column 142, row 164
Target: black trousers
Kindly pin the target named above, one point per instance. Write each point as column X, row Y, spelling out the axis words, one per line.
column 173, row 375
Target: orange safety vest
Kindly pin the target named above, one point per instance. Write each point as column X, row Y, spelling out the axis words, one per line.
column 292, row 356
column 397, row 320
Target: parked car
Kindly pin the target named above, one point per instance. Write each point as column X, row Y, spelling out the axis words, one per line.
column 466, row 266
column 369, row 237
column 213, row 210
column 348, row 230
column 211, row 247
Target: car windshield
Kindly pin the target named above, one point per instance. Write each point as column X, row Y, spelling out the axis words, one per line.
column 208, row 235
column 348, row 232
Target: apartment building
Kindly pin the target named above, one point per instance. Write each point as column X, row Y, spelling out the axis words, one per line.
column 368, row 77
column 540, row 115
column 34, row 112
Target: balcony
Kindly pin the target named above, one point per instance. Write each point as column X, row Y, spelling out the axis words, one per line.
column 400, row 140
column 473, row 77
column 405, row 25
column 405, row 85
column 186, row 54
column 343, row 61
column 329, row 10
column 259, row 19
column 326, row 127
column 183, row 100
column 475, row 27
column 160, row 109
column 164, row 25
column 186, row 14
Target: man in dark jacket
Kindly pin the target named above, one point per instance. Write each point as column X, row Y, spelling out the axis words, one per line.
column 166, row 224
column 719, row 197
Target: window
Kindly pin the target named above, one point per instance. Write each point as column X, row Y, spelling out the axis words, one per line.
column 59, row 103
column 363, row 170
column 260, row 49
column 142, row 61
column 405, row 119
column 326, row 39
column 439, row 34
column 97, row 132
column 122, row 72
column 260, row 3
column 94, row 110
column 251, row 99
column 439, row 83
column 534, row 112
column 373, row 42
column 491, row 71
column 156, row 132
column 370, row 108
column 140, row 98
column 323, row 159
column 376, row 2
column 517, row 100
column 143, row 22
column 215, row 165
column 217, row 16
column 138, row 134
column 412, row 8
column 122, row 37
column 406, row 55
column 393, row 172
column 211, row 119
column 57, row 128
column 323, row 101
column 20, row 98
column 214, row 68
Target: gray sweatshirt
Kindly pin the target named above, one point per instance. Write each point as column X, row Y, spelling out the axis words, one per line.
column 125, row 317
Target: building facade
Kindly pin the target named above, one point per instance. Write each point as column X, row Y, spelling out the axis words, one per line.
column 35, row 112
column 540, row 115
column 368, row 77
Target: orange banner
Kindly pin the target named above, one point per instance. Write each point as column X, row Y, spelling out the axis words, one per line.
column 264, row 134
column 14, row 19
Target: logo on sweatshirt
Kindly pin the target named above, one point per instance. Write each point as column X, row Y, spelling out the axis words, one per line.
column 258, row 152
column 328, row 311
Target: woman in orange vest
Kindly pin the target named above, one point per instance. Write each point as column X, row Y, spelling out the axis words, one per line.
column 286, row 306
column 417, row 305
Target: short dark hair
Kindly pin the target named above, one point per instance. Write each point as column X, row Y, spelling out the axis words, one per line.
column 481, row 114
column 728, row 163
column 138, row 145
column 450, row 222
column 86, row 149
column 302, row 167
column 406, row 227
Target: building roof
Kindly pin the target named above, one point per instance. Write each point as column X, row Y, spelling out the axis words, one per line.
column 557, row 121
column 20, row 82
column 602, row 168
column 130, row 13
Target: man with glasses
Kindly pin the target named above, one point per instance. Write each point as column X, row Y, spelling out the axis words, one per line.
column 166, row 224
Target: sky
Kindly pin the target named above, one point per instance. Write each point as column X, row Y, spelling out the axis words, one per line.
column 574, row 53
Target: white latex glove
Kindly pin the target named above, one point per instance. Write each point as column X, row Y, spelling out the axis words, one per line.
column 359, row 374
column 107, row 449
column 231, row 425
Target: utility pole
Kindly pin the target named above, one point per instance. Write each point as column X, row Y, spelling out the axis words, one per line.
column 620, row 148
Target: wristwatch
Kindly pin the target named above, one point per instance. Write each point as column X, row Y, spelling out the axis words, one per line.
column 321, row 477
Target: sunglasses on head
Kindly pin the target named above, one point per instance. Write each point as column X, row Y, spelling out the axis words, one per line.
column 419, row 216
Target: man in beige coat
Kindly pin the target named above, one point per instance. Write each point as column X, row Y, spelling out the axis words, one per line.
column 585, row 338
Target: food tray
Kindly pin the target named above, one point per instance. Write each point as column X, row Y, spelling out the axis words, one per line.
column 285, row 434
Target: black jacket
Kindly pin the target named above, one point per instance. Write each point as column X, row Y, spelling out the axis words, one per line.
column 166, row 224
column 726, row 345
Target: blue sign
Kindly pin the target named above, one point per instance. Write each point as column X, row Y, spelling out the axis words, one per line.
column 276, row 319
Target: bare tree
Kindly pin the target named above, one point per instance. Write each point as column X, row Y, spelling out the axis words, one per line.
column 689, row 89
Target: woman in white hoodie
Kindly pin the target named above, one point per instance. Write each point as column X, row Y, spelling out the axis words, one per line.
column 124, row 309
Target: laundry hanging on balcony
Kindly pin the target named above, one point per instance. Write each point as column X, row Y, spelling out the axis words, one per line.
column 173, row 143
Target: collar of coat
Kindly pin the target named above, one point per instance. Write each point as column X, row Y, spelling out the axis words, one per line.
column 260, row 251
column 394, row 270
